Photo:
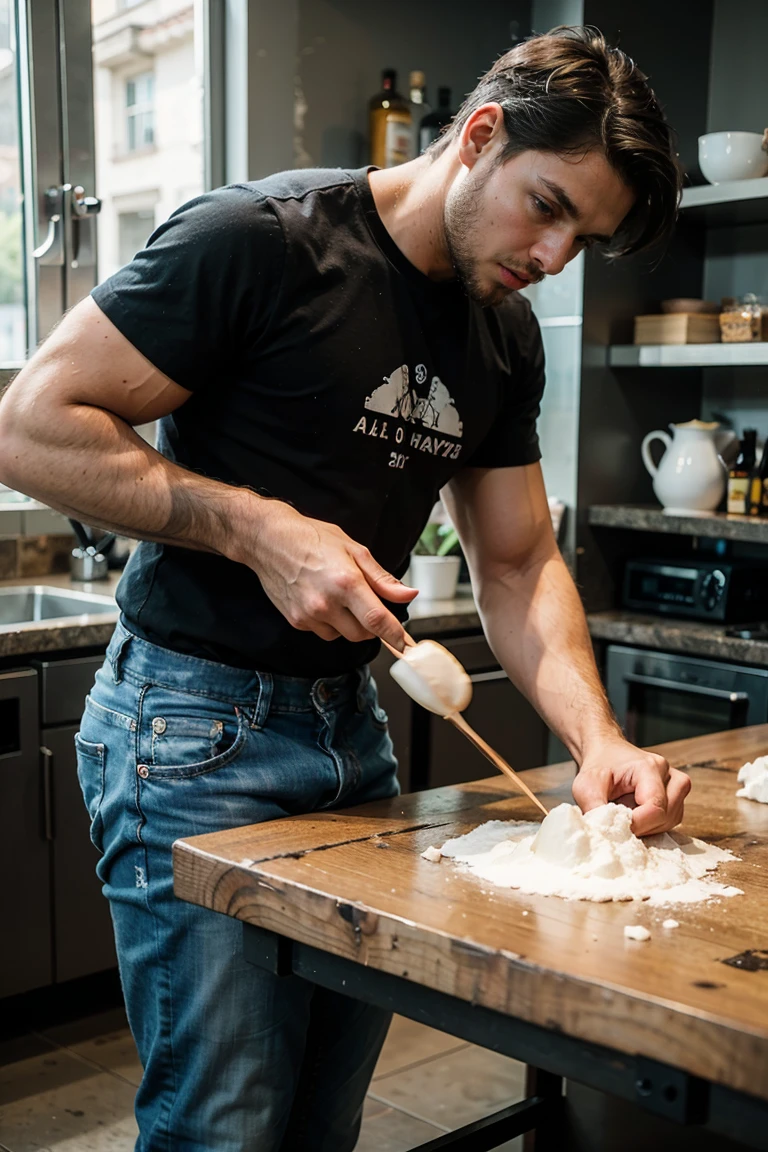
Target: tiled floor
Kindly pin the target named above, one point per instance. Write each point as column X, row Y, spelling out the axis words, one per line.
column 71, row 1088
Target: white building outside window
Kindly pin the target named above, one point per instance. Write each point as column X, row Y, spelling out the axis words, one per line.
column 148, row 105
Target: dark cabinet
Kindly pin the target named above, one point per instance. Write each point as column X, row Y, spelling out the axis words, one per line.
column 54, row 921
column 498, row 712
column 25, row 889
column 83, row 941
column 431, row 753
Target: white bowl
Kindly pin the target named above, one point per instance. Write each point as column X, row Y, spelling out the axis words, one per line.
column 732, row 156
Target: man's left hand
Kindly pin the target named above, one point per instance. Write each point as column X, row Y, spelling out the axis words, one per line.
column 617, row 772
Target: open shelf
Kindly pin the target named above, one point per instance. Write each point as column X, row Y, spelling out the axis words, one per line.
column 651, row 518
column 734, row 202
column 687, row 355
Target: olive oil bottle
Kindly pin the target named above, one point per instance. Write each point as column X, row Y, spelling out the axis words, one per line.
column 390, row 121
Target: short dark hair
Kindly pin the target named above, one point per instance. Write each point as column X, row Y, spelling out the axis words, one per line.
column 568, row 91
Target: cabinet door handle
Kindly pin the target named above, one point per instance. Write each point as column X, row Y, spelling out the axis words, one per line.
column 682, row 686
column 485, row 677
column 46, row 764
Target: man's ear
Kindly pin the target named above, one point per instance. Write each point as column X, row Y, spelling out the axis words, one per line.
column 481, row 130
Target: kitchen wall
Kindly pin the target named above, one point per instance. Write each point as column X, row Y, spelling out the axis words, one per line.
column 343, row 46
column 318, row 115
column 736, row 257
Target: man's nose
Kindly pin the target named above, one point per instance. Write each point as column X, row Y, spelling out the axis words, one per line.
column 552, row 253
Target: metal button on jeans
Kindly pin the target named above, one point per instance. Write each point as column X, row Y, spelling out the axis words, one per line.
column 143, row 771
column 159, row 725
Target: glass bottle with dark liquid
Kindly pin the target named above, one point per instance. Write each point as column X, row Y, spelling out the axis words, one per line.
column 389, row 116
column 433, row 123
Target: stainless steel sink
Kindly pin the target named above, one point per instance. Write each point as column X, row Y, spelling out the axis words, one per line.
column 35, row 603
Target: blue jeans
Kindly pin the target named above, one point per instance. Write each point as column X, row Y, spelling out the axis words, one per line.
column 235, row 1059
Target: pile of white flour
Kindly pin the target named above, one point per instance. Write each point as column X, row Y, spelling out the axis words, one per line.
column 591, row 857
column 754, row 777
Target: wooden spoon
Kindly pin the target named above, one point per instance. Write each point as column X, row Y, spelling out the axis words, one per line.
column 467, row 730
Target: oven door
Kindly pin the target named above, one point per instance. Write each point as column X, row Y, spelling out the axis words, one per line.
column 659, row 697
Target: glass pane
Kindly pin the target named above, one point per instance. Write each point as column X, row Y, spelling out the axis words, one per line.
column 12, row 294
column 148, row 107
column 133, row 229
column 659, row 715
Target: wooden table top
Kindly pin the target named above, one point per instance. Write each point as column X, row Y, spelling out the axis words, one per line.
column 353, row 883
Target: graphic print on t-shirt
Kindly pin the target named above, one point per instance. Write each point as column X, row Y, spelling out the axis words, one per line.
column 399, row 400
column 396, row 397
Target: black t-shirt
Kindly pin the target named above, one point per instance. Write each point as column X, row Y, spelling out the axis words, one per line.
column 327, row 371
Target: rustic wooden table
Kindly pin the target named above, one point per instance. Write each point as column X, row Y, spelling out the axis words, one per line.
column 679, row 1024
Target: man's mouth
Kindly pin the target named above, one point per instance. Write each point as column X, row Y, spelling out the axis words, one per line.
column 512, row 279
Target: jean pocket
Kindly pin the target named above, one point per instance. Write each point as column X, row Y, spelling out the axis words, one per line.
column 185, row 735
column 90, row 772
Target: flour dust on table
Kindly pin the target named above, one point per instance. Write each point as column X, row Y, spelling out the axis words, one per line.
column 592, row 856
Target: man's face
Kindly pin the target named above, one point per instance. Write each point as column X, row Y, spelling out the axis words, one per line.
column 512, row 224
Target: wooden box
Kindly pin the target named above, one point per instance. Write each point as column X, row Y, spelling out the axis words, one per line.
column 677, row 328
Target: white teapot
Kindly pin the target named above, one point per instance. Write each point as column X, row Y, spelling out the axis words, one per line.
column 691, row 477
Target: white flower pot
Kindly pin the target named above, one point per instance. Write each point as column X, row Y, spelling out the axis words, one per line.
column 435, row 577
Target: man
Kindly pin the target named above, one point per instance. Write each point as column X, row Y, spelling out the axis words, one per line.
column 325, row 352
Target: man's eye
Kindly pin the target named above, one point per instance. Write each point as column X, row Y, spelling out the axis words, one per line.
column 542, row 206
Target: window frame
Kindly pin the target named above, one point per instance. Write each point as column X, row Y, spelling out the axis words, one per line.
column 56, row 115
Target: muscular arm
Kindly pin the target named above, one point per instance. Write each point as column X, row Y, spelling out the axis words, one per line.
column 67, row 438
column 535, row 624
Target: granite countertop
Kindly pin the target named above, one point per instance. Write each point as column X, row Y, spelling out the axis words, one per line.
column 427, row 618
column 667, row 635
column 437, row 617
column 84, row 631
column 652, row 518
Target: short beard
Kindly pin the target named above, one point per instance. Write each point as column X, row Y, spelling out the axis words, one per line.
column 462, row 210
column 461, row 213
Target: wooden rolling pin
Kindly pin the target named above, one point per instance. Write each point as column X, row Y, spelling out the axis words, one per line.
column 467, row 730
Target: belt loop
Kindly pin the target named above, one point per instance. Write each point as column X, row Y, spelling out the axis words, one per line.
column 264, row 702
column 118, row 652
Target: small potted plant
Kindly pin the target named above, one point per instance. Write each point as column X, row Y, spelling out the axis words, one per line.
column 436, row 560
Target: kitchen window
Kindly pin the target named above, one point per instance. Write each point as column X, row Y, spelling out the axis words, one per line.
column 84, row 172
column 140, row 111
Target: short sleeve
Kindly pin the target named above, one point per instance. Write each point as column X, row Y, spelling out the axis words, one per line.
column 513, row 439
column 204, row 288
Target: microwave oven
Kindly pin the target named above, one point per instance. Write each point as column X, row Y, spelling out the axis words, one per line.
column 724, row 592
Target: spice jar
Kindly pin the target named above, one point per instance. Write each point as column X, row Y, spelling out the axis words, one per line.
column 741, row 321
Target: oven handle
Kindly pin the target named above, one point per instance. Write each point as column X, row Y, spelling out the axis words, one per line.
column 681, row 686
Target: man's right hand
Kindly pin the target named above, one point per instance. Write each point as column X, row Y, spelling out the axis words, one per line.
column 322, row 580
